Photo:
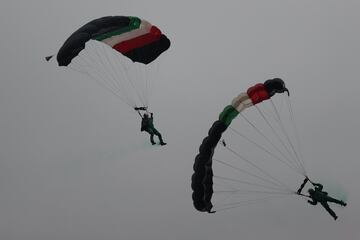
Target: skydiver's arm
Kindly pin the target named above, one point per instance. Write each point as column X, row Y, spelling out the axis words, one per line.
column 313, row 202
column 151, row 115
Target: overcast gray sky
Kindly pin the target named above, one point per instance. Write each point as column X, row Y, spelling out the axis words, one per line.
column 74, row 165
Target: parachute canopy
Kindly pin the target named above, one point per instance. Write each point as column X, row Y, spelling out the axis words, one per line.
column 119, row 52
column 135, row 38
column 202, row 178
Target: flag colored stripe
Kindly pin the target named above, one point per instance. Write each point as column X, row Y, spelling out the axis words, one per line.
column 140, row 41
column 134, row 24
column 144, row 28
column 228, row 114
column 257, row 93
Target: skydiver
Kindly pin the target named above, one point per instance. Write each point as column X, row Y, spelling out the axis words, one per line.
column 317, row 195
column 147, row 125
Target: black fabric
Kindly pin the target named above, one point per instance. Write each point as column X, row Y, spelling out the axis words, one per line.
column 149, row 52
column 202, row 179
column 275, row 85
column 76, row 42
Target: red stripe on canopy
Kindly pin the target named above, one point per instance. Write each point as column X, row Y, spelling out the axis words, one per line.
column 128, row 45
column 257, row 93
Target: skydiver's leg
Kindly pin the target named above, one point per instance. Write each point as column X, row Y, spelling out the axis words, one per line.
column 330, row 199
column 157, row 133
column 329, row 210
column 150, row 131
column 152, row 138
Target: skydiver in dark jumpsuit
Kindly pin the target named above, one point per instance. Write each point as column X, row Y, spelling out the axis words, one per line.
column 317, row 195
column 147, row 125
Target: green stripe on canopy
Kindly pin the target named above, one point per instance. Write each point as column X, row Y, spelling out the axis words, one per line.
column 134, row 24
column 228, row 114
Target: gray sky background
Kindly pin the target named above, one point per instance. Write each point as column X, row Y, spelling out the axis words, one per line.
column 74, row 165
